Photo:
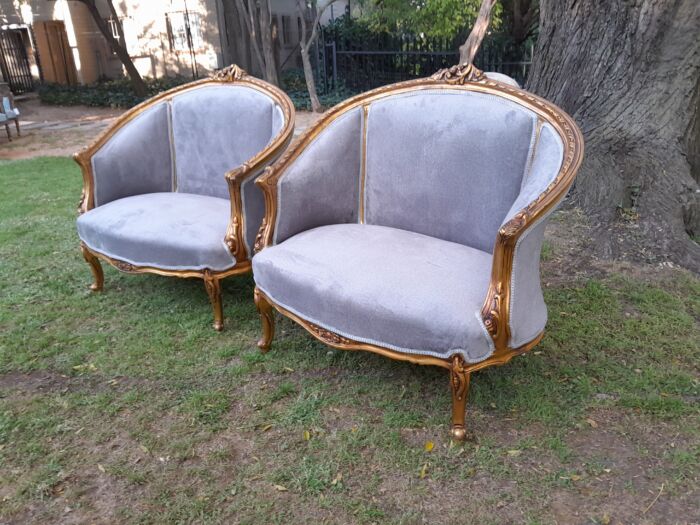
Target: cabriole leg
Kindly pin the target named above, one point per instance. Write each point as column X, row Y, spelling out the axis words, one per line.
column 213, row 286
column 267, row 318
column 459, row 383
column 96, row 268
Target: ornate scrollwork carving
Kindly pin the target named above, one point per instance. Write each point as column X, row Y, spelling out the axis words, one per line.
column 329, row 337
column 229, row 74
column 458, row 379
column 459, row 74
column 259, row 238
column 493, row 317
column 232, row 239
column 514, row 225
column 124, row 266
column 82, row 202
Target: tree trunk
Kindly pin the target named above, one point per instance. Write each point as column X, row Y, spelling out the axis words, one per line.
column 310, row 82
column 237, row 36
column 629, row 74
column 119, row 48
column 268, row 47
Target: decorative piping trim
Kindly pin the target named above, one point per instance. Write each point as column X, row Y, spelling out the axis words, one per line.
column 335, row 121
column 171, row 136
column 353, row 338
column 125, row 263
column 514, row 271
column 534, row 142
column 363, row 163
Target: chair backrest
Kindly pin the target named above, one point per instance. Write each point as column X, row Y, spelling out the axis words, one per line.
column 7, row 106
column 449, row 162
column 188, row 139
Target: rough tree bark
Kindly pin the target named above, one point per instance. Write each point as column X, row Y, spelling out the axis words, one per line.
column 258, row 22
column 629, row 74
column 268, row 43
column 305, row 10
column 119, row 48
column 520, row 18
column 238, row 48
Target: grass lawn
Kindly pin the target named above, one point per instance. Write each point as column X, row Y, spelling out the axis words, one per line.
column 127, row 407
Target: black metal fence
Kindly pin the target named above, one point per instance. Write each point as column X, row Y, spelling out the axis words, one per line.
column 14, row 62
column 364, row 64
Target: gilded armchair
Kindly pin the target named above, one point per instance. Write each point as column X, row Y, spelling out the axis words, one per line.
column 169, row 188
column 409, row 220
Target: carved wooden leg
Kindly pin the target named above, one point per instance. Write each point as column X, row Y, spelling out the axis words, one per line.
column 459, row 382
column 96, row 268
column 267, row 318
column 213, row 286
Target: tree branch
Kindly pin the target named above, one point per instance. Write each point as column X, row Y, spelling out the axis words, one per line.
column 468, row 50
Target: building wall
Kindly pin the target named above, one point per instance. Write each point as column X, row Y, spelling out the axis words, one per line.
column 149, row 27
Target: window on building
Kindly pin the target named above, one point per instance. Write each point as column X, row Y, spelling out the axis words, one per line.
column 130, row 33
column 178, row 24
column 275, row 28
column 287, row 30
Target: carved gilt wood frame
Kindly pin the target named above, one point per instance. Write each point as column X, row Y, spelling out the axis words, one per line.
column 234, row 237
column 495, row 311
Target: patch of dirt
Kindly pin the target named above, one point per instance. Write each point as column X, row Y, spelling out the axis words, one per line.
column 63, row 130
column 17, row 385
column 54, row 130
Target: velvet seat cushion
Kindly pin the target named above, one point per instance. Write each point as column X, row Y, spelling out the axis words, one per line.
column 394, row 288
column 172, row 231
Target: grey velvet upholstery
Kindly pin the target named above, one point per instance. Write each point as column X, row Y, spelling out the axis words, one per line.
column 443, row 171
column 215, row 129
column 456, row 159
column 136, row 159
column 322, row 186
column 185, row 145
column 382, row 285
column 528, row 313
column 178, row 231
column 500, row 77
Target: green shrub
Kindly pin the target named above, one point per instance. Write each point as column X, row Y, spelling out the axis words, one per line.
column 120, row 94
column 294, row 84
column 111, row 93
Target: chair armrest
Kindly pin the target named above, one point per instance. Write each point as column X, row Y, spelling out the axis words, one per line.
column 132, row 157
column 316, row 182
column 247, row 208
column 514, row 312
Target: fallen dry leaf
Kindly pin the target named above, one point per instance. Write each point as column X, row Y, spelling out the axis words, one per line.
column 307, row 435
column 592, row 422
column 514, row 452
column 100, row 468
column 424, row 471
column 281, row 488
column 429, row 445
column 266, row 427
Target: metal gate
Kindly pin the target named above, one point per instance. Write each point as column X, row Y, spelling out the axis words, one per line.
column 14, row 62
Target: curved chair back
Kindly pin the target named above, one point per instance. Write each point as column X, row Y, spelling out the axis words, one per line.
column 445, row 159
column 188, row 138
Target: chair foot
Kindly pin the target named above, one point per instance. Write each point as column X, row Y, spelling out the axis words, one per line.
column 459, row 383
column 96, row 268
column 267, row 318
column 17, row 126
column 213, row 287
column 7, row 129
